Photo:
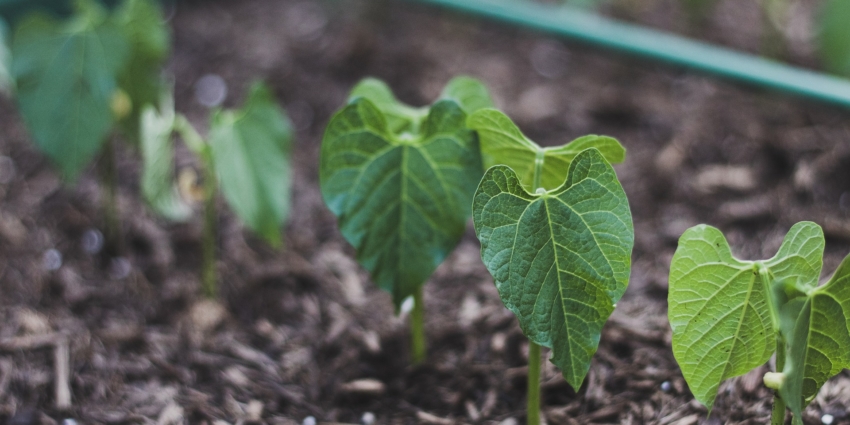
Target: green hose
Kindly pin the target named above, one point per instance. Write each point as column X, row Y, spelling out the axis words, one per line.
column 588, row 27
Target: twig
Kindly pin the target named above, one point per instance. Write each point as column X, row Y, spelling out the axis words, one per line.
column 61, row 361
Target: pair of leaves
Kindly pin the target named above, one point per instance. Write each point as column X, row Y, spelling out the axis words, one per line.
column 726, row 313
column 834, row 36
column 248, row 148
column 67, row 74
column 400, row 179
column 503, row 143
column 560, row 258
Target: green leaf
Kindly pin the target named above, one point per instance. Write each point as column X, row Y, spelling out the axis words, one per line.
column 6, row 82
column 560, row 259
column 469, row 93
column 402, row 198
column 503, row 143
column 250, row 153
column 157, row 150
column 834, row 36
column 719, row 307
column 818, row 335
column 399, row 117
column 65, row 75
column 144, row 27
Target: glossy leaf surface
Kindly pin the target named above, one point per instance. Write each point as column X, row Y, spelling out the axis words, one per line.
column 65, row 75
column 560, row 259
column 723, row 319
column 401, row 186
column 503, row 143
column 157, row 150
column 250, row 151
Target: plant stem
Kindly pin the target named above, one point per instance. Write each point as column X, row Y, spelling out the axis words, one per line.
column 533, row 391
column 417, row 327
column 208, row 272
column 109, row 181
column 777, row 415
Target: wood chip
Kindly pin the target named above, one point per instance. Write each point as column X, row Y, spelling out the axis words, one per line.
column 363, row 386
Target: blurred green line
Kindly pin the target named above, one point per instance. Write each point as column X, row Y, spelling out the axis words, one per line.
column 588, row 27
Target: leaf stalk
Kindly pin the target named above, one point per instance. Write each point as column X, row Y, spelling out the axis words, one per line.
column 533, row 391
column 418, row 346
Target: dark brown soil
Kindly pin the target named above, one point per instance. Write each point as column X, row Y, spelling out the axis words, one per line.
column 304, row 332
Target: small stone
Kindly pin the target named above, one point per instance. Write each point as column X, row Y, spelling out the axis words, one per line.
column 52, row 260
column 666, row 386
column 92, row 241
column 406, row 306
column 509, row 421
column 119, row 268
column 7, row 170
column 827, row 419
column 210, row 90
column 368, row 418
column 364, row 386
column 69, row 421
column 309, row 420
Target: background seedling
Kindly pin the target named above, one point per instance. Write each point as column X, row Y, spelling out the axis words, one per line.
column 834, row 36
column 729, row 316
column 246, row 155
column 76, row 79
column 400, row 181
column 560, row 254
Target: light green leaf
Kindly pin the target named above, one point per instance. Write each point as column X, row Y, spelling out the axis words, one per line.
column 65, row 75
column 719, row 306
column 402, row 198
column 503, row 143
column 250, row 152
column 469, row 93
column 157, row 150
column 6, row 82
column 144, row 27
column 560, row 259
column 818, row 336
column 834, row 36
column 399, row 117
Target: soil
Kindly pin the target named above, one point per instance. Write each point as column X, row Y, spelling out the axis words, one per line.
column 303, row 332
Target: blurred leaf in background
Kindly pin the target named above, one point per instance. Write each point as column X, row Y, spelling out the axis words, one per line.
column 65, row 74
column 834, row 36
column 250, row 152
column 5, row 59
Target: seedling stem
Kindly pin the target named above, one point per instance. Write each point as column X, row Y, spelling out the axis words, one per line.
column 777, row 415
column 208, row 274
column 533, row 391
column 110, row 196
column 417, row 327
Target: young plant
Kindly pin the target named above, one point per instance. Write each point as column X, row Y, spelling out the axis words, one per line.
column 246, row 154
column 834, row 36
column 74, row 80
column 400, row 180
column 556, row 234
column 729, row 316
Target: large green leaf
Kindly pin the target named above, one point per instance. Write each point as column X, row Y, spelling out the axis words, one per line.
column 469, row 93
column 560, row 259
column 503, row 143
column 65, row 75
column 157, row 150
column 720, row 309
column 6, row 82
column 145, row 29
column 834, row 36
column 402, row 197
column 817, row 330
column 250, row 152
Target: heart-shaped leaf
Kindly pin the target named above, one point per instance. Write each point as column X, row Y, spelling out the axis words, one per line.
column 158, row 161
column 503, row 143
column 65, row 76
column 250, row 152
column 724, row 323
column 560, row 258
column 401, row 186
column 147, row 33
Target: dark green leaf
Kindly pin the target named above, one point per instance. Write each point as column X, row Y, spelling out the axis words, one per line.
column 834, row 36
column 503, row 143
column 6, row 82
column 65, row 75
column 157, row 149
column 250, row 151
column 402, row 197
column 560, row 259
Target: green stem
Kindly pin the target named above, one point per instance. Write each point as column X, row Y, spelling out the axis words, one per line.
column 109, row 180
column 417, row 327
column 208, row 272
column 777, row 415
column 538, row 169
column 533, row 391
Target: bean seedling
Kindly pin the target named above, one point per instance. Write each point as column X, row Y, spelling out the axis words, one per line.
column 400, row 180
column 834, row 36
column 729, row 316
column 556, row 234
